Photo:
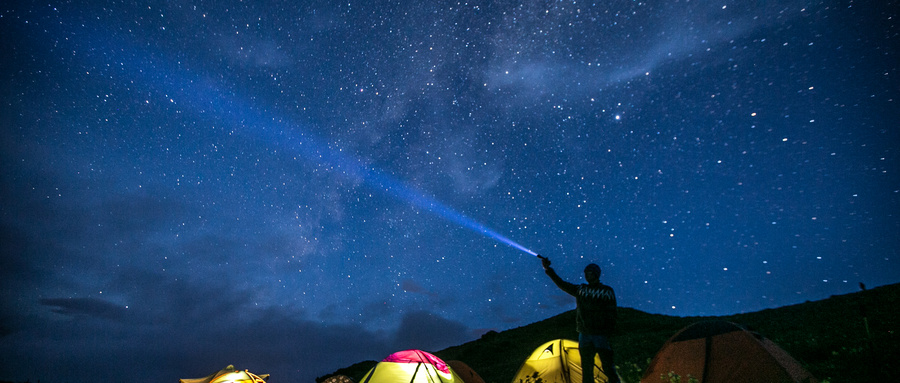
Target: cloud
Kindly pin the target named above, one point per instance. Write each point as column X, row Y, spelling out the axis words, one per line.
column 427, row 331
column 435, row 298
column 561, row 300
column 85, row 306
column 685, row 36
column 17, row 257
column 184, row 328
column 271, row 341
column 413, row 287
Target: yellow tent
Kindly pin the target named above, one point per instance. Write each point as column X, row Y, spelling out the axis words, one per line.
column 411, row 366
column 229, row 375
column 556, row 361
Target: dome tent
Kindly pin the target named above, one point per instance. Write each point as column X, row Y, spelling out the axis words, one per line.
column 556, row 361
column 339, row 379
column 411, row 366
column 465, row 372
column 724, row 352
column 229, row 375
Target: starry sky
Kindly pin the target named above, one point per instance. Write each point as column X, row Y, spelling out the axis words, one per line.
column 297, row 186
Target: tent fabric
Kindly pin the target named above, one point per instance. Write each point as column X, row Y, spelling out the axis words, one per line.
column 229, row 375
column 411, row 366
column 556, row 361
column 417, row 356
column 724, row 352
column 339, row 379
column 465, row 372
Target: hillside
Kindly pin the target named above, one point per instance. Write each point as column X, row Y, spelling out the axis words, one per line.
column 829, row 337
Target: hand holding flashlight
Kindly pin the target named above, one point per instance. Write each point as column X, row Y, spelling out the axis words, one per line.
column 544, row 261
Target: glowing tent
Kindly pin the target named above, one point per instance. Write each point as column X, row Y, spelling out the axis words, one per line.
column 411, row 366
column 723, row 352
column 229, row 375
column 556, row 361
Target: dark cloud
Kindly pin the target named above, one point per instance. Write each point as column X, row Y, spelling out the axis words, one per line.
column 561, row 300
column 435, row 298
column 266, row 341
column 139, row 212
column 16, row 256
column 413, row 287
column 181, row 299
column 379, row 309
column 189, row 328
column 85, row 306
column 427, row 331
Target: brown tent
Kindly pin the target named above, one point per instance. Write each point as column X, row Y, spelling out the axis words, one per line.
column 339, row 379
column 723, row 352
column 465, row 372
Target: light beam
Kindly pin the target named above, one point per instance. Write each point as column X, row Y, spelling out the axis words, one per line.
column 205, row 98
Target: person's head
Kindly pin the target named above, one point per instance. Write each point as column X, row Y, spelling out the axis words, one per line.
column 592, row 273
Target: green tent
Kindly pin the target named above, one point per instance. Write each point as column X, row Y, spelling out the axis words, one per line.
column 229, row 375
column 556, row 361
column 411, row 366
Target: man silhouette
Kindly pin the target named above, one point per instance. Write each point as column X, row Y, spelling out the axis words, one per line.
column 595, row 319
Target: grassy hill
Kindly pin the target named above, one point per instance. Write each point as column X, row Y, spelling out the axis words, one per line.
column 846, row 338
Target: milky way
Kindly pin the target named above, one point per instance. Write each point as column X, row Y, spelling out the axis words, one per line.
column 189, row 185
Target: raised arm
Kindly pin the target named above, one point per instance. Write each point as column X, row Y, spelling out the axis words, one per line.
column 569, row 288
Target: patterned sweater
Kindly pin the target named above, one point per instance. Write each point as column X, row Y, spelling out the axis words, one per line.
column 595, row 312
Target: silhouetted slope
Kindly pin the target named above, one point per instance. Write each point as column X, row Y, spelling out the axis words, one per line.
column 828, row 337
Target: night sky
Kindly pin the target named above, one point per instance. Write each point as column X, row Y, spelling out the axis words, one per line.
column 295, row 187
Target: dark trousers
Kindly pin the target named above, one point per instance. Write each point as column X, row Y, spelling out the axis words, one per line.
column 590, row 345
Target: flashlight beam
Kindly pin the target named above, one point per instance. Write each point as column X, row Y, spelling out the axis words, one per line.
column 406, row 193
column 208, row 100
